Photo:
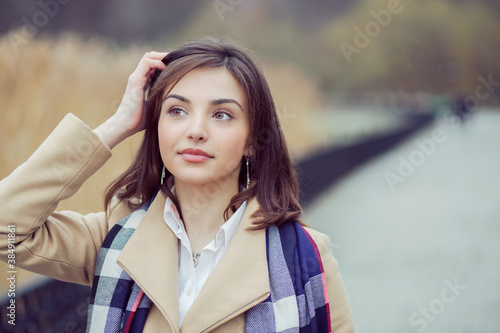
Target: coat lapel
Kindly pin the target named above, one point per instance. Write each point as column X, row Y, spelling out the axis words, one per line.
column 240, row 279
column 150, row 257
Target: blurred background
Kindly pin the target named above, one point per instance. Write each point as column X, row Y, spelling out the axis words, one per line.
column 390, row 109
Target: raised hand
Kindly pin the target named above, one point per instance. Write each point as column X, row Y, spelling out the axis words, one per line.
column 129, row 117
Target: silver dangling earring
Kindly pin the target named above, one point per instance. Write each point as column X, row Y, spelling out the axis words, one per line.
column 248, row 174
column 162, row 175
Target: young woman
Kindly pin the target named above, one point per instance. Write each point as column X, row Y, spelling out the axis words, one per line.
column 202, row 232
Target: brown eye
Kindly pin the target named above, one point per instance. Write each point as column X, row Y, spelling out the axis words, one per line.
column 176, row 112
column 221, row 115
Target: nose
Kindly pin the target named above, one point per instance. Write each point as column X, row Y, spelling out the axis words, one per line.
column 197, row 129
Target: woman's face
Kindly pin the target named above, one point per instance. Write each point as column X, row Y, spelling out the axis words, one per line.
column 203, row 127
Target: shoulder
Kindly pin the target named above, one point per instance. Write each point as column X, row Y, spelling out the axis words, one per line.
column 340, row 308
column 316, row 235
column 322, row 242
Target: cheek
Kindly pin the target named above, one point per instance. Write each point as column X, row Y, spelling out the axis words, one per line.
column 166, row 138
column 235, row 147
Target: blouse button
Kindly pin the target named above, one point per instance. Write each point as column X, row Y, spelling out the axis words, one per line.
column 189, row 292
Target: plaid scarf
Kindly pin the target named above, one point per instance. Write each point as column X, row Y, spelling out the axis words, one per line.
column 299, row 297
column 298, row 300
column 117, row 303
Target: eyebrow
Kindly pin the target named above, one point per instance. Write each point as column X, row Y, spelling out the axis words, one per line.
column 212, row 102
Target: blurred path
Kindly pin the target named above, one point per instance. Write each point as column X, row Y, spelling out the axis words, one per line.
column 425, row 257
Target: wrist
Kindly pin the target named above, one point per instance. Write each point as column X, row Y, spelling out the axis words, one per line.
column 112, row 131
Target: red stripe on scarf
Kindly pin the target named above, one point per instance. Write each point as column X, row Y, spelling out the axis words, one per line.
column 132, row 312
column 323, row 278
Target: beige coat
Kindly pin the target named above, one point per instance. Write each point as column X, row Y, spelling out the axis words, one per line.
column 64, row 245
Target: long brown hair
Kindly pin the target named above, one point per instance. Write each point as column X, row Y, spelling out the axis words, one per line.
column 274, row 181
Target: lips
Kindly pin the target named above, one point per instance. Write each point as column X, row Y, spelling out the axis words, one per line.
column 195, row 155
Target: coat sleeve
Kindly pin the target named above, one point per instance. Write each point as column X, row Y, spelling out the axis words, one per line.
column 62, row 245
column 340, row 309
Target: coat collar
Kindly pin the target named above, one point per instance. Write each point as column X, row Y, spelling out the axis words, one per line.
column 150, row 257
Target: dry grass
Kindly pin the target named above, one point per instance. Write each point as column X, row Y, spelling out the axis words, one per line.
column 48, row 78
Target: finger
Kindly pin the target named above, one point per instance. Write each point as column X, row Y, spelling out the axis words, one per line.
column 155, row 55
column 151, row 73
column 147, row 65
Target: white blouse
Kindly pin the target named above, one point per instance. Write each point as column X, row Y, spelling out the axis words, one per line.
column 191, row 278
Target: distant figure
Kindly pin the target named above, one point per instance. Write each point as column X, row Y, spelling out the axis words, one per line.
column 461, row 109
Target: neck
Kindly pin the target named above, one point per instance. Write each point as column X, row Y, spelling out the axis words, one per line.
column 202, row 207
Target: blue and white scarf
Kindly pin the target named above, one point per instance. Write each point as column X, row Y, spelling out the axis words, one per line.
column 298, row 299
column 299, row 296
column 117, row 303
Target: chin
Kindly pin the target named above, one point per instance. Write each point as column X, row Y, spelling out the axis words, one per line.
column 195, row 177
column 199, row 178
